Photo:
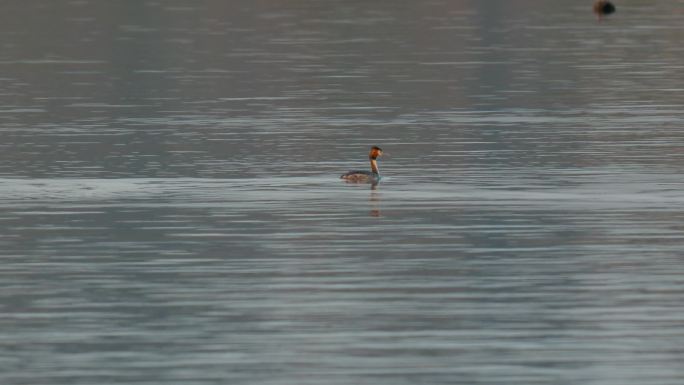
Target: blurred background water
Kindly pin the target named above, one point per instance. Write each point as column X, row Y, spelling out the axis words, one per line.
column 171, row 213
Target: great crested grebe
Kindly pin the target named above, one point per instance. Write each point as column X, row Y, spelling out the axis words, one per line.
column 372, row 176
column 603, row 7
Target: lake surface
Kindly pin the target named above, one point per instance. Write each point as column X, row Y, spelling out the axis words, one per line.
column 171, row 213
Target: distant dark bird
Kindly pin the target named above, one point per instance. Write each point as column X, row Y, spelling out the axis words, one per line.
column 603, row 7
column 372, row 176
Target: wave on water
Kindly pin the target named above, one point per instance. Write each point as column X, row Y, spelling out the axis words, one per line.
column 627, row 191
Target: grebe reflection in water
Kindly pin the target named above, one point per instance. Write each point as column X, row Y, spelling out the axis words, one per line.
column 372, row 176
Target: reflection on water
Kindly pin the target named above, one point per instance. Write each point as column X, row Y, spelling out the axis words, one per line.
column 171, row 210
column 374, row 201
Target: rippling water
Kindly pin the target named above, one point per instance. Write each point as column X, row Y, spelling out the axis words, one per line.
column 171, row 211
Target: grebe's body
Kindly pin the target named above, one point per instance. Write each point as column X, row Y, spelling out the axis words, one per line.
column 372, row 176
column 361, row 176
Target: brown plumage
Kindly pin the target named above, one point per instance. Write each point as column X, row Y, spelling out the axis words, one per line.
column 362, row 176
column 603, row 7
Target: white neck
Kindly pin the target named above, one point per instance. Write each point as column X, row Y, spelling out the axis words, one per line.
column 374, row 166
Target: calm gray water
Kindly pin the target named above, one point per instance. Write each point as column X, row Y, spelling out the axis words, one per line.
column 170, row 211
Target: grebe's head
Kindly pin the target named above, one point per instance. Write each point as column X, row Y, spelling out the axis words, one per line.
column 375, row 152
column 603, row 7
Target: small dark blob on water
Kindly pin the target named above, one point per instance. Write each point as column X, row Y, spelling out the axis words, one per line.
column 603, row 7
